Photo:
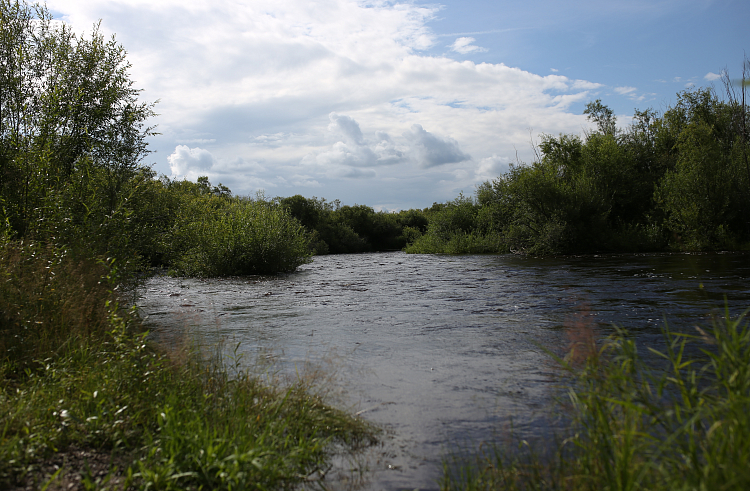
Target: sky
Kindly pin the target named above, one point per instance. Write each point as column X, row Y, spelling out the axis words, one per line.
column 397, row 105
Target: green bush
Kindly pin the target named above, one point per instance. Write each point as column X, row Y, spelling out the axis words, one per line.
column 219, row 236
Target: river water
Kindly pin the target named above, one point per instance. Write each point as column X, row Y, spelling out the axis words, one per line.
column 443, row 351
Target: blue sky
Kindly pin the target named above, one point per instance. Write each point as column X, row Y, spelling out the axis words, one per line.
column 398, row 104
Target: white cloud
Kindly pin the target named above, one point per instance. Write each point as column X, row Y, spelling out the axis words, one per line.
column 491, row 167
column 430, row 150
column 304, row 181
column 347, row 127
column 292, row 95
column 463, row 45
column 185, row 161
column 585, row 85
column 625, row 90
column 710, row 76
column 354, row 150
column 631, row 93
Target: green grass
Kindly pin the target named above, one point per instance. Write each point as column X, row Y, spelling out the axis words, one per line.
column 682, row 424
column 90, row 379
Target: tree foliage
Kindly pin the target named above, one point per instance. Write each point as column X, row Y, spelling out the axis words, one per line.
column 72, row 131
column 678, row 180
column 73, row 136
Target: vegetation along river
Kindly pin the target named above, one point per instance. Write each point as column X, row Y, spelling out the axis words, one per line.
column 443, row 350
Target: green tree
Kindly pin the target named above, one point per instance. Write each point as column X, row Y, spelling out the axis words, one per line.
column 68, row 113
column 704, row 195
column 603, row 116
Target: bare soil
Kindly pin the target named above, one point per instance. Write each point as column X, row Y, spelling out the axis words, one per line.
column 71, row 469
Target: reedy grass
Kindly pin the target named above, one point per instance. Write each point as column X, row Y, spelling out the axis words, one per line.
column 682, row 423
column 170, row 422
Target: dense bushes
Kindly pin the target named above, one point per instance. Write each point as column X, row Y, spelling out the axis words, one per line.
column 221, row 235
column 458, row 227
column 678, row 181
column 72, row 138
column 72, row 132
column 79, row 214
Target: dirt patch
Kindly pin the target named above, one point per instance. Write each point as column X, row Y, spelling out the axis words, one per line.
column 74, row 468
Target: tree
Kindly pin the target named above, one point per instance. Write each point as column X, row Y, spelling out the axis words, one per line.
column 69, row 114
column 704, row 196
column 603, row 116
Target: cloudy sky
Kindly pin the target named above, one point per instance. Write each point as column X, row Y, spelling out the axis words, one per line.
column 398, row 104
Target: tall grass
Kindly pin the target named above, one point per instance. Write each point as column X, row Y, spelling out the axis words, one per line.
column 682, row 423
column 78, row 372
column 49, row 299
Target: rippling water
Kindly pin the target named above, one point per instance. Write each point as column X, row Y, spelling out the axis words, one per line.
column 444, row 349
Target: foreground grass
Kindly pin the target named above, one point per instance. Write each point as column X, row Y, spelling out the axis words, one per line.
column 78, row 373
column 682, row 426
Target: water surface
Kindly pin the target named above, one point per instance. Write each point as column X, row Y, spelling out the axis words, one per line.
column 444, row 349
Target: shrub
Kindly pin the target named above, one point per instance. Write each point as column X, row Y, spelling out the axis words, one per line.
column 219, row 236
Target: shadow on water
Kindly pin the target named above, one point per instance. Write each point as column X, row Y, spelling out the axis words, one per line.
column 443, row 349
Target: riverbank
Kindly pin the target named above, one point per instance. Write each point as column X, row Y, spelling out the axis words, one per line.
column 88, row 400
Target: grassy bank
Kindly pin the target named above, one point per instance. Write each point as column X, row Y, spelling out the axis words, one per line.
column 86, row 399
column 679, row 423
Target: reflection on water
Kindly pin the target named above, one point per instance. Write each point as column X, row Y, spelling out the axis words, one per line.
column 444, row 348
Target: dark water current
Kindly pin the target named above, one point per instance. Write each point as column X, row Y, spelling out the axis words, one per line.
column 443, row 350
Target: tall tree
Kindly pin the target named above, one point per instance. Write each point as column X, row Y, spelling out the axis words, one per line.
column 603, row 116
column 69, row 114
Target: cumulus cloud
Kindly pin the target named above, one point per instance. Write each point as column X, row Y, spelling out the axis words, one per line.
column 430, row 150
column 185, row 161
column 304, row 181
column 354, row 150
column 347, row 127
column 491, row 167
column 710, row 76
column 585, row 85
column 463, row 45
column 417, row 146
column 192, row 163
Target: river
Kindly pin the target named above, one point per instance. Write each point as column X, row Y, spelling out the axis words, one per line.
column 441, row 350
